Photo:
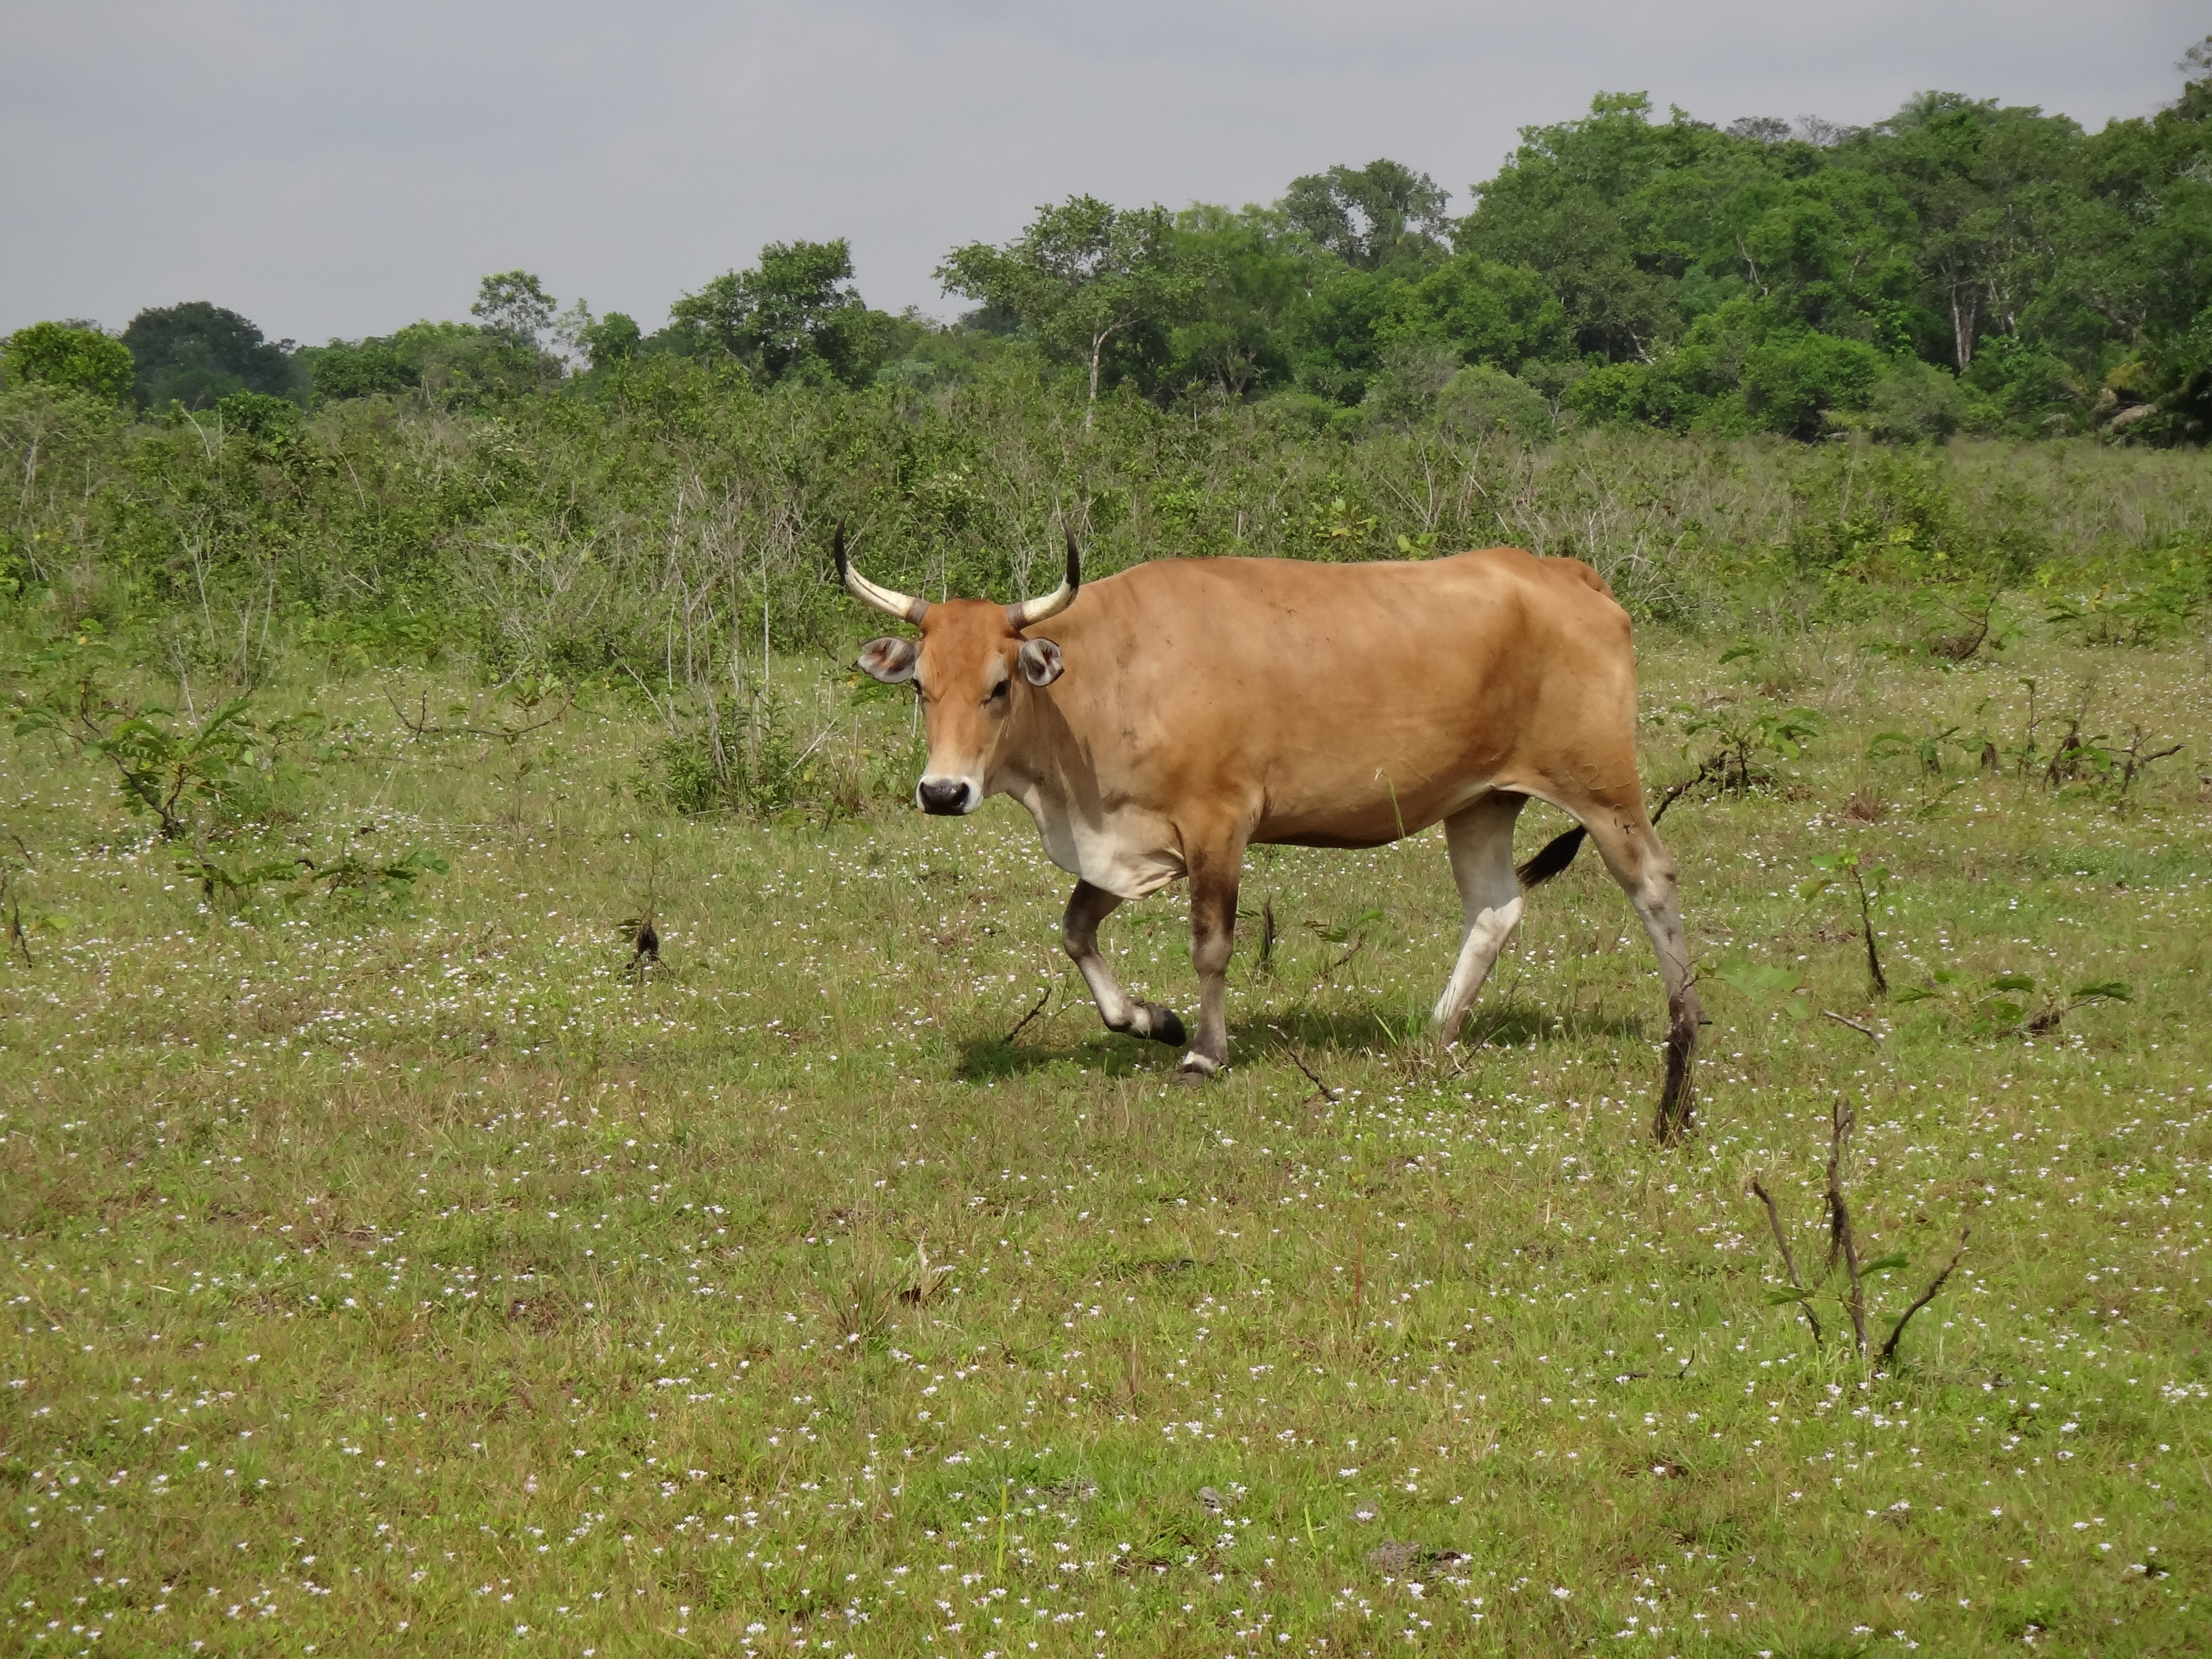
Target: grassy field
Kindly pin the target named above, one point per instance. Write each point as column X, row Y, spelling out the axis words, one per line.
column 389, row 1273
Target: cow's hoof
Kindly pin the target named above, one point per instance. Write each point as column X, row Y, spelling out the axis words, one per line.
column 1162, row 1026
column 1196, row 1068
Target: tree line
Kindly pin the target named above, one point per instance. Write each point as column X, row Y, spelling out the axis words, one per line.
column 1962, row 265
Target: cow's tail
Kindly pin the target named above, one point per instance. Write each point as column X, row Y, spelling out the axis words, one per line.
column 1554, row 857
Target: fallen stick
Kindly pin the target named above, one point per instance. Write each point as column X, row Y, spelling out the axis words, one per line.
column 1030, row 1016
column 1870, row 1035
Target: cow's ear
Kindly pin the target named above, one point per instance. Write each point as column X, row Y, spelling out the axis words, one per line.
column 1040, row 662
column 891, row 661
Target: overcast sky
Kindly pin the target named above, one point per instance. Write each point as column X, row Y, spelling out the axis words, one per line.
column 342, row 169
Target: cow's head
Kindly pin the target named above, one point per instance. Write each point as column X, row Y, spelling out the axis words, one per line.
column 972, row 669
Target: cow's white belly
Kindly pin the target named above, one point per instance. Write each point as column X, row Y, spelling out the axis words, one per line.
column 1128, row 854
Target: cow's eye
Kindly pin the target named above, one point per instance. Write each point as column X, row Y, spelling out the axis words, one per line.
column 997, row 690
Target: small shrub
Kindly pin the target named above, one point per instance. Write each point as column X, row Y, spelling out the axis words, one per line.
column 1743, row 739
column 180, row 772
column 1479, row 401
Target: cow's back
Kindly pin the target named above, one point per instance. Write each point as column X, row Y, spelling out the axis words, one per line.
column 1341, row 703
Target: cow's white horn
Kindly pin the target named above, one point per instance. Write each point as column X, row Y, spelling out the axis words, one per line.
column 883, row 599
column 1030, row 612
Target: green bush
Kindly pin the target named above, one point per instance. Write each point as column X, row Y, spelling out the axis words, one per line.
column 1792, row 383
column 673, row 517
column 70, row 357
column 1479, row 401
column 1915, row 402
column 258, row 414
column 364, row 368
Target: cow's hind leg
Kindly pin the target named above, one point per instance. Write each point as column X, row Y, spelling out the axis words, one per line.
column 1480, row 840
column 1087, row 907
column 1214, row 876
column 1646, row 871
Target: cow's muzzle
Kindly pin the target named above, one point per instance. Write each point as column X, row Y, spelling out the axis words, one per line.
column 947, row 797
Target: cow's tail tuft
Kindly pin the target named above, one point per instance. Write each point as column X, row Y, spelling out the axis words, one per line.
column 1555, row 856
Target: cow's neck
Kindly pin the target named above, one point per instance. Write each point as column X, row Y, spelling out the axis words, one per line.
column 1119, row 848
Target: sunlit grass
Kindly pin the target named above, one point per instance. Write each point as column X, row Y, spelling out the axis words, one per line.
column 385, row 1272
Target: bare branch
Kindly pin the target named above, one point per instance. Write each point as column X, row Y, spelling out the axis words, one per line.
column 1789, row 1261
column 1327, row 1094
column 1841, row 1240
column 1896, row 1331
column 1030, row 1016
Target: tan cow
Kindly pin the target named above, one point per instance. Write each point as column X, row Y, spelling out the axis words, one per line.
column 1185, row 709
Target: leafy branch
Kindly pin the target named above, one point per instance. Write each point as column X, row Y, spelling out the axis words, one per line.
column 174, row 770
column 1869, row 885
column 1996, row 1013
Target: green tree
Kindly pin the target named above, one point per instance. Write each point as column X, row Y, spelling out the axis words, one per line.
column 258, row 414
column 515, row 305
column 359, row 368
column 1792, row 382
column 1981, row 180
column 450, row 361
column 81, row 359
column 1334, row 333
column 1083, row 273
column 197, row 354
column 613, row 338
column 1231, row 333
column 795, row 314
column 2130, row 298
column 1483, row 312
column 1368, row 216
column 1608, row 209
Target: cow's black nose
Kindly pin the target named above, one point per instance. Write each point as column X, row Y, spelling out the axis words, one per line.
column 946, row 796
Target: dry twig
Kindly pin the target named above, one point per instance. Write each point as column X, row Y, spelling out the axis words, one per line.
column 1327, row 1094
column 1789, row 1261
column 1896, row 1331
column 1868, row 1032
column 1030, row 1016
column 645, row 936
column 1841, row 1240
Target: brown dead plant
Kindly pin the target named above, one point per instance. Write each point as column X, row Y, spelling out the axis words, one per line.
column 1843, row 1247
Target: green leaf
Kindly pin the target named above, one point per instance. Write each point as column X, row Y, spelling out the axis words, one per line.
column 1761, row 978
column 1783, row 1298
column 2111, row 989
column 1338, row 933
column 1738, row 653
column 1885, row 1265
column 2012, row 982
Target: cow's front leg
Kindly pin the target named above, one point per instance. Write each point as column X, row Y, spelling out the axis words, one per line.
column 1213, row 879
column 1087, row 907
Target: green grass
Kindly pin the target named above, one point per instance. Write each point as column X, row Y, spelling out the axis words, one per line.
column 380, row 1267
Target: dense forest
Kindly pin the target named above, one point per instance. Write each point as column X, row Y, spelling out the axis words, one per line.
column 1762, row 376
